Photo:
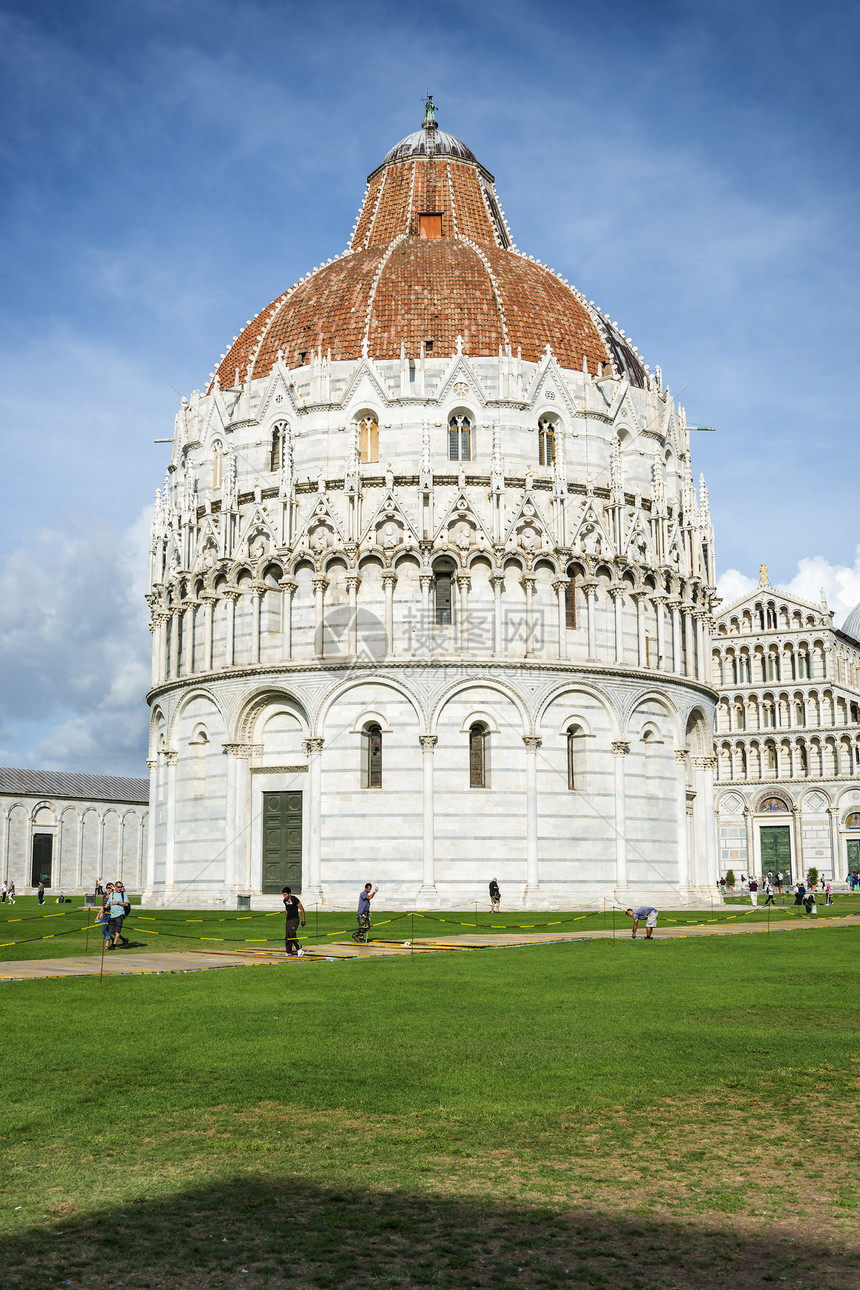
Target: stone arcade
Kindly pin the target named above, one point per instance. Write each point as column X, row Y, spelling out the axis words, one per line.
column 431, row 585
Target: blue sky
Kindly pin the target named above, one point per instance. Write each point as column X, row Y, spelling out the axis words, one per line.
column 169, row 168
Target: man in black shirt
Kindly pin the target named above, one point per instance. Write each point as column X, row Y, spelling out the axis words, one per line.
column 293, row 908
column 495, row 897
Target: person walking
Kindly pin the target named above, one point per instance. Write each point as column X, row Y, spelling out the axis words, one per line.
column 4, row 892
column 103, row 916
column 753, row 890
column 799, row 893
column 828, row 895
column 649, row 913
column 495, row 897
column 365, row 896
column 12, row 892
column 779, row 882
column 769, row 892
column 294, row 909
column 41, row 893
column 118, row 906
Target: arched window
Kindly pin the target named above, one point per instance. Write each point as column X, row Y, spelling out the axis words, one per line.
column 546, row 441
column 570, row 603
column 772, row 667
column 743, row 760
column 771, row 757
column 459, row 438
column 444, row 575
column 804, row 760
column 735, row 672
column 740, row 717
column 368, row 438
column 803, row 665
column 371, row 774
column 478, row 740
column 277, row 448
column 575, row 757
column 217, row 464
column 800, row 713
column 771, row 616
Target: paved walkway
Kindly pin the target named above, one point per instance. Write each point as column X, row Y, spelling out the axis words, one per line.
column 121, row 963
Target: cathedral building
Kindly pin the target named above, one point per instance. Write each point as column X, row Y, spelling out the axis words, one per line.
column 787, row 736
column 431, row 585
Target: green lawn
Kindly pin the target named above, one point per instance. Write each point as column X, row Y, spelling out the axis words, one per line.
column 53, row 931
column 595, row 1113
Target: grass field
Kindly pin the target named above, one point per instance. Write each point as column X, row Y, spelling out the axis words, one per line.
column 590, row 1114
column 28, row 931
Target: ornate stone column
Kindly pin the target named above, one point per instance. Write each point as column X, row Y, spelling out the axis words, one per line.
column 560, row 588
column 681, row 816
column 428, row 877
column 641, row 651
column 497, row 581
column 257, row 590
column 590, row 589
column 389, row 582
column 312, row 890
column 230, row 597
column 425, row 581
column 464, row 583
column 207, row 599
column 620, row 749
column 152, row 763
column 170, row 759
column 187, row 663
column 173, row 664
column 660, row 606
column 532, row 743
column 705, row 821
column 674, row 604
column 617, row 594
column 237, row 857
column 748, row 826
column 528, row 588
column 353, row 582
column 290, row 587
column 320, row 582
column 701, row 662
column 688, row 629
column 838, row 862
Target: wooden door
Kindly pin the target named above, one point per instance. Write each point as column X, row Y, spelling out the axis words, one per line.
column 776, row 849
column 282, row 842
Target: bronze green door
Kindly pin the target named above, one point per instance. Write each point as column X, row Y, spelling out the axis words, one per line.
column 853, row 857
column 282, row 842
column 776, row 849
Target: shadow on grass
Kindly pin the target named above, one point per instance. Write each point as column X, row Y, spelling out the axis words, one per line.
column 261, row 1232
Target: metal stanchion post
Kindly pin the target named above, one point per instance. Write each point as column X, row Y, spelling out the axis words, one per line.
column 102, row 967
column 613, row 924
column 412, row 940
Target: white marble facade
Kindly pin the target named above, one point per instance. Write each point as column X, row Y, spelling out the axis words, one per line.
column 787, row 736
column 294, row 608
column 73, row 828
column 452, row 659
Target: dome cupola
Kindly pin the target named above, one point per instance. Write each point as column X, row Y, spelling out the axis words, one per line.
column 430, row 259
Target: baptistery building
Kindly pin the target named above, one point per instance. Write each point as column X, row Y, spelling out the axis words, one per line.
column 431, row 585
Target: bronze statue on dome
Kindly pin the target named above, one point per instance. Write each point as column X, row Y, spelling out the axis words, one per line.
column 429, row 111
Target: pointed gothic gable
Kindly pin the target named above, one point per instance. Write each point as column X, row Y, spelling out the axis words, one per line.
column 367, row 383
column 209, row 545
column 638, row 545
column 462, row 526
column 278, row 386
column 257, row 537
column 590, row 536
column 548, row 385
column 528, row 529
column 321, row 528
column 766, row 592
column 460, row 370
column 390, row 527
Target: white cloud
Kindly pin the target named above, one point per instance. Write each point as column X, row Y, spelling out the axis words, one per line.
column 839, row 582
column 74, row 650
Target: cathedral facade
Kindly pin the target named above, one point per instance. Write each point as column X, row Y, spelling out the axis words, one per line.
column 431, row 585
column 787, row 736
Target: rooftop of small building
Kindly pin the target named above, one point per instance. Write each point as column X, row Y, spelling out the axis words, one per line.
column 24, row 782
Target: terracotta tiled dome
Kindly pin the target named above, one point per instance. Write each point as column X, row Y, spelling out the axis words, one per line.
column 430, row 259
